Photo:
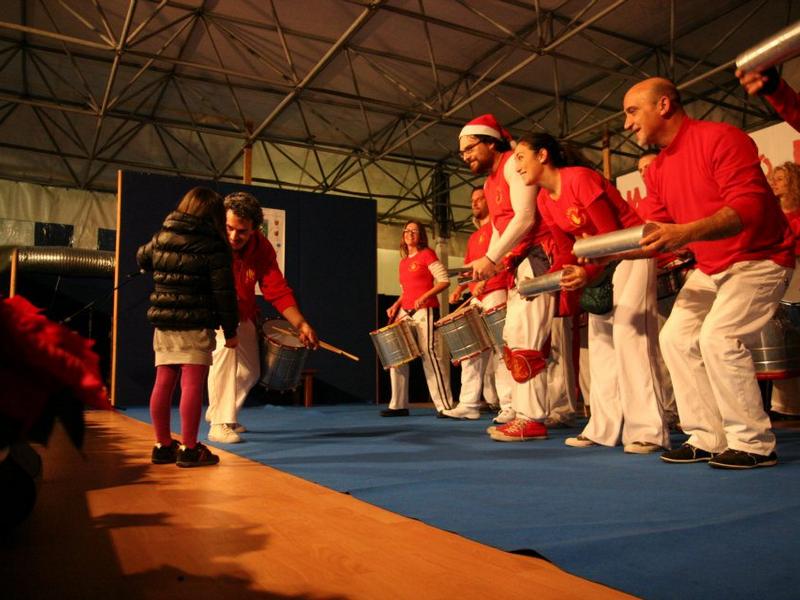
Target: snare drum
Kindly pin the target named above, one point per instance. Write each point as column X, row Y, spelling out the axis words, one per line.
column 284, row 357
column 495, row 320
column 672, row 276
column 464, row 333
column 396, row 344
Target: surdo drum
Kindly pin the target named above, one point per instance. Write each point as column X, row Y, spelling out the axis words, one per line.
column 284, row 356
column 777, row 353
column 464, row 333
column 396, row 344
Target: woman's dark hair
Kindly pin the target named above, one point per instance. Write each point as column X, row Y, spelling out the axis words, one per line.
column 422, row 240
column 206, row 204
column 561, row 155
column 501, row 145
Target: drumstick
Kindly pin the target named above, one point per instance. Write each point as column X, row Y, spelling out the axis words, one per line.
column 324, row 345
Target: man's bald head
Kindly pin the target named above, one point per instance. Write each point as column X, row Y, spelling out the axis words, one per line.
column 653, row 111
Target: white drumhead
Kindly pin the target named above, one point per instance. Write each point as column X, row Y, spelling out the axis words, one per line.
column 274, row 330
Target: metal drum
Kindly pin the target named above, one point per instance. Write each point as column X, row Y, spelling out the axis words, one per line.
column 672, row 276
column 464, row 333
column 777, row 354
column 396, row 344
column 495, row 319
column 284, row 356
column 790, row 303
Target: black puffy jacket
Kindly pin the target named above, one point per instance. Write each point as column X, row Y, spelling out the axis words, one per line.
column 193, row 277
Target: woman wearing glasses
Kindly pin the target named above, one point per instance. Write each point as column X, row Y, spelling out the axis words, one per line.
column 422, row 277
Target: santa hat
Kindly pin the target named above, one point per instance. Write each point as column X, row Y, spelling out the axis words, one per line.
column 485, row 125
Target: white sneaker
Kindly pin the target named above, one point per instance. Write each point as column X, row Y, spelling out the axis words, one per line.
column 579, row 442
column 224, row 434
column 505, row 416
column 462, row 412
column 239, row 428
column 642, row 448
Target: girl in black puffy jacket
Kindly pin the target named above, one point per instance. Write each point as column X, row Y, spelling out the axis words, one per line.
column 194, row 295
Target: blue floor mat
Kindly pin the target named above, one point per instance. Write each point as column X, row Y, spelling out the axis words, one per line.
column 628, row 521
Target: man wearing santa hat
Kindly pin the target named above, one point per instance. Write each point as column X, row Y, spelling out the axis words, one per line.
column 516, row 244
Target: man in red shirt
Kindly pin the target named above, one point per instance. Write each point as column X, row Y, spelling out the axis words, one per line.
column 483, row 375
column 706, row 191
column 516, row 243
column 235, row 371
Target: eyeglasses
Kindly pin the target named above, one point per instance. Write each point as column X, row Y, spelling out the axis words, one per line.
column 468, row 150
column 411, row 232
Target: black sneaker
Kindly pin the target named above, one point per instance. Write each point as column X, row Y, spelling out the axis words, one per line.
column 199, row 456
column 686, row 454
column 739, row 459
column 395, row 412
column 165, row 455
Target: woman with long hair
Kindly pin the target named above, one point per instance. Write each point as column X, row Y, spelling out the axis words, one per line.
column 574, row 202
column 422, row 277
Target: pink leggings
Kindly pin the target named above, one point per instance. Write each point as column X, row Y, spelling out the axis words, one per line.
column 193, row 381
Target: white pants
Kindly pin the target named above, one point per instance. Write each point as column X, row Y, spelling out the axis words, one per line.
column 561, row 392
column 233, row 374
column 434, row 363
column 486, row 374
column 705, row 345
column 527, row 328
column 667, row 393
column 625, row 396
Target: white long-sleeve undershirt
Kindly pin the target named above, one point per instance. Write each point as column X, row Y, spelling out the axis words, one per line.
column 523, row 202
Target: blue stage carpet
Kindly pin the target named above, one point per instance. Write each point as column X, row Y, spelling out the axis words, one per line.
column 631, row 522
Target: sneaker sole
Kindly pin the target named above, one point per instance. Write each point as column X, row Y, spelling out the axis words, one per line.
column 162, row 462
column 643, row 451
column 187, row 465
column 769, row 463
column 680, row 461
column 217, row 440
column 501, row 437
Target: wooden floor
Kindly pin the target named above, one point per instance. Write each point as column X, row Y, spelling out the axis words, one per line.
column 110, row 524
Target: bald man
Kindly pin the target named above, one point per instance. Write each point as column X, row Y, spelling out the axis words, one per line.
column 706, row 192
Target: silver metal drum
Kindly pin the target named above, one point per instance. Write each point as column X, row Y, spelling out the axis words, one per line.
column 284, row 356
column 464, row 333
column 495, row 319
column 790, row 303
column 396, row 344
column 777, row 354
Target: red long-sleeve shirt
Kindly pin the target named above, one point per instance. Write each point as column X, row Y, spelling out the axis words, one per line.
column 257, row 263
column 709, row 166
column 786, row 103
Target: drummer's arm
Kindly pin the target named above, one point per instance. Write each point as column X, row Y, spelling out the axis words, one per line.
column 307, row 334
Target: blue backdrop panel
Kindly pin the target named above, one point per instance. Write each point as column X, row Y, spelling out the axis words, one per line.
column 330, row 265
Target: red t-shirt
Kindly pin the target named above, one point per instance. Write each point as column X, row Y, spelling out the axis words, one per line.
column 416, row 278
column 477, row 245
column 794, row 223
column 709, row 166
column 257, row 263
column 588, row 204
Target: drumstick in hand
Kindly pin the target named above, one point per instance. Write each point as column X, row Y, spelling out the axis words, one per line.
column 325, row 345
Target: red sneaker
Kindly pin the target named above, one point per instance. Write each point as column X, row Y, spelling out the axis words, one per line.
column 519, row 430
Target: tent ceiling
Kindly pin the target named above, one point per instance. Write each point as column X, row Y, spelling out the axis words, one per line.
column 357, row 97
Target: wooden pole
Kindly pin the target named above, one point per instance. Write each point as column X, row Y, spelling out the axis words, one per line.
column 12, row 286
column 247, row 168
column 606, row 154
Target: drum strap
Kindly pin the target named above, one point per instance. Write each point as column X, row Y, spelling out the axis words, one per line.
column 526, row 364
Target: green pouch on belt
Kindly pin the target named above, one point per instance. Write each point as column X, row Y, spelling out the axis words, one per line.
column 598, row 298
